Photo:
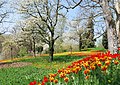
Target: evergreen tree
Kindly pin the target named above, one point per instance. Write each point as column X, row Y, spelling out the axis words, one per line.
column 89, row 35
column 105, row 40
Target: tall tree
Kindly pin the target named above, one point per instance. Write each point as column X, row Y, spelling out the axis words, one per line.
column 48, row 12
column 110, row 24
column 77, row 32
column 108, row 14
column 29, row 35
column 90, row 32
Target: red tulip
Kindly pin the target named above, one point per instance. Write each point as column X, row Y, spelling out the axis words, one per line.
column 33, row 83
column 45, row 79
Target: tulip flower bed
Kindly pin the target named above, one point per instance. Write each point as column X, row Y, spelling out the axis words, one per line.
column 99, row 69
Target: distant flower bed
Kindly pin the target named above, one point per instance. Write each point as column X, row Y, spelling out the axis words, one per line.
column 99, row 69
column 86, row 53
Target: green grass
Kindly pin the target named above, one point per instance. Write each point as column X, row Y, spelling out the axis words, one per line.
column 95, row 49
column 40, row 67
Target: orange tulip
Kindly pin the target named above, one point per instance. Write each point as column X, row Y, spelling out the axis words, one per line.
column 39, row 84
column 86, row 71
column 99, row 64
column 116, row 62
column 62, row 75
column 78, row 68
column 87, row 77
column 86, row 65
column 51, row 79
column 107, row 62
column 66, row 79
column 55, row 81
column 104, row 68
column 109, row 58
column 92, row 67
column 67, row 71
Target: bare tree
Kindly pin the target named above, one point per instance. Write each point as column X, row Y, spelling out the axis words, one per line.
column 110, row 25
column 48, row 12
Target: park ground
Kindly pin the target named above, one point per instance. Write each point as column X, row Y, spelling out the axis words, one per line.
column 22, row 71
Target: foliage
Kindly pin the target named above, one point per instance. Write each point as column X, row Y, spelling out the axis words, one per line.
column 9, row 48
column 39, row 49
column 1, row 41
column 89, row 35
column 22, row 52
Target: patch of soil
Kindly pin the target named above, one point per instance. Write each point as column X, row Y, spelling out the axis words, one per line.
column 15, row 64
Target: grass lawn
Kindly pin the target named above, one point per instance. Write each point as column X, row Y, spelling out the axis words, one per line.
column 40, row 67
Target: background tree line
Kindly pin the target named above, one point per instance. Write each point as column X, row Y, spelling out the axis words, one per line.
column 45, row 25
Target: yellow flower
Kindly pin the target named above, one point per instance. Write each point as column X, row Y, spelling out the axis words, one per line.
column 104, row 68
column 62, row 75
column 99, row 64
column 107, row 62
column 39, row 84
column 51, row 79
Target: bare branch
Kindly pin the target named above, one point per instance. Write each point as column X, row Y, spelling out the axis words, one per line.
column 56, row 18
column 40, row 27
column 99, row 36
column 56, row 38
column 2, row 3
column 71, row 7
column 39, row 12
column 2, row 16
column 48, row 14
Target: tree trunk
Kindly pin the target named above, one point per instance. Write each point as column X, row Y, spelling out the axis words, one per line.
column 11, row 49
column 34, row 47
column 118, row 29
column 31, row 48
column 117, row 8
column 51, row 47
column 80, row 42
column 112, row 39
column 51, row 50
column 111, row 29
